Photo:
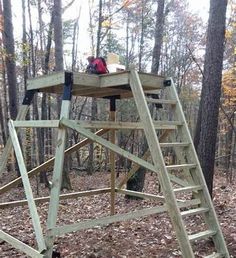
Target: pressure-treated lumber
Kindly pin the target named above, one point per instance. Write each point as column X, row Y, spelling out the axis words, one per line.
column 20, row 245
column 170, row 125
column 214, row 255
column 57, row 176
column 155, row 150
column 62, row 197
column 117, row 149
column 60, row 230
column 8, row 147
column 135, row 167
column 112, row 164
column 113, row 84
column 142, row 195
column 27, row 188
column 194, row 211
column 44, row 166
column 202, row 235
column 189, row 175
column 210, row 217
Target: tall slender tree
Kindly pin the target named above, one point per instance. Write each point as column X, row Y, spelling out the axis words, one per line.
column 58, row 38
column 159, row 28
column 2, row 72
column 211, row 89
column 9, row 45
column 59, row 66
column 136, row 182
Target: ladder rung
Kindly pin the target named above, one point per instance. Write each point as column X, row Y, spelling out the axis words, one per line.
column 165, row 127
column 174, row 144
column 171, row 167
column 194, row 211
column 202, row 235
column 166, row 122
column 214, row 255
column 162, row 101
column 190, row 188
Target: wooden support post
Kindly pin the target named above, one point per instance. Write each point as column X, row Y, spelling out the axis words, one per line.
column 58, row 165
column 112, row 154
column 8, row 147
column 158, row 161
column 20, row 116
column 27, row 188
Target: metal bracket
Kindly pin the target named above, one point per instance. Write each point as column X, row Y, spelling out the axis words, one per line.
column 29, row 94
column 67, row 91
column 167, row 83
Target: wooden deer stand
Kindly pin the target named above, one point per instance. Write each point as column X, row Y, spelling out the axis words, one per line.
column 174, row 134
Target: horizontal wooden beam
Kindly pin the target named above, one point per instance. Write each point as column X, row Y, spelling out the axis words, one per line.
column 37, row 123
column 49, row 163
column 141, row 195
column 62, row 197
column 165, row 125
column 60, row 230
column 54, row 79
column 171, row 125
column 114, row 79
column 162, row 101
column 85, row 80
column 20, row 245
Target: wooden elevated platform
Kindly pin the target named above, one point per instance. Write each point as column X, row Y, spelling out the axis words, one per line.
column 90, row 85
column 178, row 180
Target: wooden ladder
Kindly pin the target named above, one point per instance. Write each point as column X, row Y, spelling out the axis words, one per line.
column 188, row 167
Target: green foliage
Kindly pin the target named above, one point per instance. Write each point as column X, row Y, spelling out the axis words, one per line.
column 68, row 29
column 113, row 45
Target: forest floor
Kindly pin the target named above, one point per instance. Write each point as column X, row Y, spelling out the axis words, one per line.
column 146, row 237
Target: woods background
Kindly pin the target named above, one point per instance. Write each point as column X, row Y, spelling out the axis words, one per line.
column 159, row 36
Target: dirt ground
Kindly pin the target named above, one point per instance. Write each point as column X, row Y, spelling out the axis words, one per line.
column 146, row 237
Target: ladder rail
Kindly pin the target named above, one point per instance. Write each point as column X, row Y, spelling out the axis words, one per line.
column 210, row 216
column 158, row 161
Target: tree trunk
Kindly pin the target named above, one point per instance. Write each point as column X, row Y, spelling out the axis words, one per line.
column 211, row 89
column 10, row 58
column 99, row 29
column 160, row 17
column 59, row 66
column 2, row 75
column 9, row 44
column 136, row 182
